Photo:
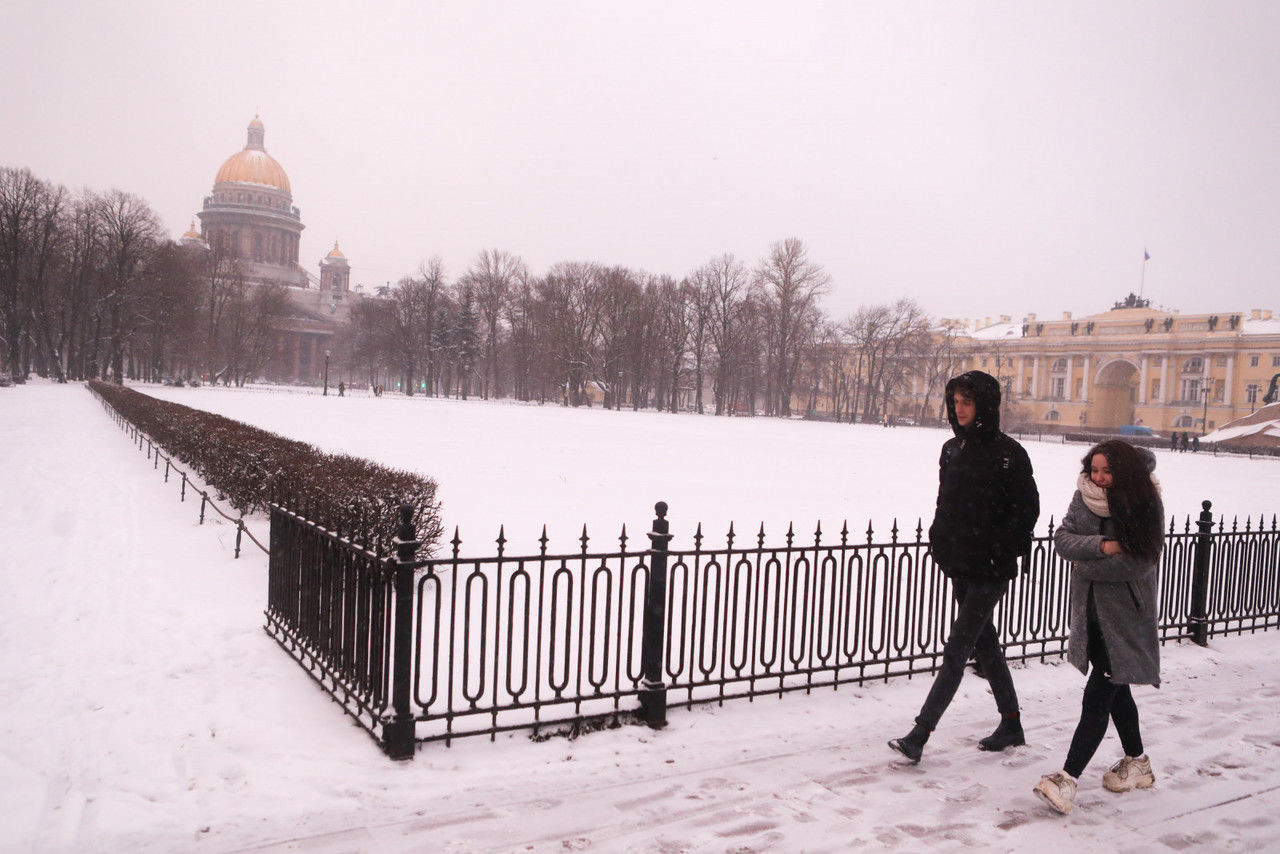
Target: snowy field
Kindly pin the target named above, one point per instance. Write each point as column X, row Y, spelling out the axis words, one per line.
column 144, row 709
column 500, row 463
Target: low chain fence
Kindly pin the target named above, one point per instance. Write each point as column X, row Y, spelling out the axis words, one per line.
column 189, row 482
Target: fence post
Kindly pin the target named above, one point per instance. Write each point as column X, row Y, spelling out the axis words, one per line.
column 398, row 739
column 653, row 692
column 1199, row 616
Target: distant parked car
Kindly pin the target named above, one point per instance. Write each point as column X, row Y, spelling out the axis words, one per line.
column 1138, row 430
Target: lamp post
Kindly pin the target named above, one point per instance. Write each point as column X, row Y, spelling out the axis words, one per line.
column 326, row 372
column 1204, row 419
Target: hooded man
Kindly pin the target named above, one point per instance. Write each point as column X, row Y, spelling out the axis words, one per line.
column 987, row 508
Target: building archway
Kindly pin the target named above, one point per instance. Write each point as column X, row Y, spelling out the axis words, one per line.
column 1115, row 394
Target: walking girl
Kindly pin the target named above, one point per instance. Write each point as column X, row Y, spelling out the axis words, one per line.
column 1113, row 532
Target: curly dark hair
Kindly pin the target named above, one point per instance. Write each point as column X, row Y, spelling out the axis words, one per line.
column 1135, row 503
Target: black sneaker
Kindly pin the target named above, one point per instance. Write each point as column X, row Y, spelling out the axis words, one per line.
column 1008, row 734
column 911, row 745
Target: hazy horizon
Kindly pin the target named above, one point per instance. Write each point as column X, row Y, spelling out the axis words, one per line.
column 980, row 158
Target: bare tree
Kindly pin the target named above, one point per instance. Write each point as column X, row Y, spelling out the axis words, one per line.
column 130, row 231
column 570, row 303
column 791, row 285
column 723, row 283
column 31, row 228
column 492, row 277
column 937, row 358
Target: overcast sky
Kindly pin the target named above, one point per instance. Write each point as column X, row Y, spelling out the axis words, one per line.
column 982, row 158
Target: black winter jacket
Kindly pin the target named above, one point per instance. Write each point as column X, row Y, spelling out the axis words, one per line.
column 987, row 498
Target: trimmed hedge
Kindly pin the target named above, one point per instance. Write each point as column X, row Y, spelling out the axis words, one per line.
column 251, row 467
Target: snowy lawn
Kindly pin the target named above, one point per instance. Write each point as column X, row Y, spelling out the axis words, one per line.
column 144, row 709
column 521, row 466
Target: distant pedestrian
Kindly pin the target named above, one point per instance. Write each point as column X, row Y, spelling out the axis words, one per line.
column 342, row 389
column 1113, row 531
column 1195, row 444
column 987, row 508
column 1173, row 441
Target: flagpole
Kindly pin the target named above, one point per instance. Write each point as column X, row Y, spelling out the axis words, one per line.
column 1142, row 285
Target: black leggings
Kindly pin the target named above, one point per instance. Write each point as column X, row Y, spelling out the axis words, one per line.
column 1103, row 699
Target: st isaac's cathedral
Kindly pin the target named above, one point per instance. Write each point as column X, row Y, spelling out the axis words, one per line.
column 250, row 216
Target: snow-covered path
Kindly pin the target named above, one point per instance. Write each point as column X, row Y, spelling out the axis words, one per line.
column 143, row 708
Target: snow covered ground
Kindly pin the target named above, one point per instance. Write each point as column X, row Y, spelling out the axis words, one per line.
column 144, row 709
column 523, row 465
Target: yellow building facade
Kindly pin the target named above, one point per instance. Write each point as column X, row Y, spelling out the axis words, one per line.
column 1131, row 365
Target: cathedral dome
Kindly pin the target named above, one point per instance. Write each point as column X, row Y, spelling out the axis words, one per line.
column 253, row 165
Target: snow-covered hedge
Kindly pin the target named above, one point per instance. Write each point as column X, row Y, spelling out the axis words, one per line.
column 251, row 467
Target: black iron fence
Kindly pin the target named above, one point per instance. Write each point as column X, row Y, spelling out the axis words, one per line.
column 427, row 650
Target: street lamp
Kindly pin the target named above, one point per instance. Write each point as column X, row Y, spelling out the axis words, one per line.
column 1204, row 419
column 326, row 372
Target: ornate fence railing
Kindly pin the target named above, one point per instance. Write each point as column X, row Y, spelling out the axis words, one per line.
column 424, row 650
column 329, row 605
column 506, row 642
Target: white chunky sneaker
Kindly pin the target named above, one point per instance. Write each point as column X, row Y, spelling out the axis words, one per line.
column 1058, row 790
column 1129, row 773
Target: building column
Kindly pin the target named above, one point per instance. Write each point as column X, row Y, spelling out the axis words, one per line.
column 1066, row 384
column 1086, row 386
column 1035, row 378
column 1164, row 380
column 1142, row 380
column 1231, row 373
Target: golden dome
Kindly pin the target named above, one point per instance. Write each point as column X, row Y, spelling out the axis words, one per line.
column 253, row 165
column 192, row 234
column 335, row 252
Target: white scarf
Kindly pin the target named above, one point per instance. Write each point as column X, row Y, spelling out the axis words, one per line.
column 1095, row 497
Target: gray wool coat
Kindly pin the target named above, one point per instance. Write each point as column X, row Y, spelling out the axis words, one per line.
column 1124, row 593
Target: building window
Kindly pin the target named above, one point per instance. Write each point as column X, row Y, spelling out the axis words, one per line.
column 1052, row 415
column 1251, row 393
column 1155, row 389
column 984, row 361
column 1057, row 387
column 1059, row 365
column 1275, row 361
column 1221, row 361
column 1184, row 421
column 1194, row 365
column 1253, row 360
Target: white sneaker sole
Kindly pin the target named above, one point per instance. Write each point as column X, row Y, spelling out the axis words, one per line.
column 1142, row 784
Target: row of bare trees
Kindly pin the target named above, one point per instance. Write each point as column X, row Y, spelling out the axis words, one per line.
column 91, row 287
column 728, row 338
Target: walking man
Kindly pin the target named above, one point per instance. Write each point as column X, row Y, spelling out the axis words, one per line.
column 987, row 508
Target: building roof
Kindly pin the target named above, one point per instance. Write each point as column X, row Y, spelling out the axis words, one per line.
column 253, row 165
column 998, row 332
column 1264, row 424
